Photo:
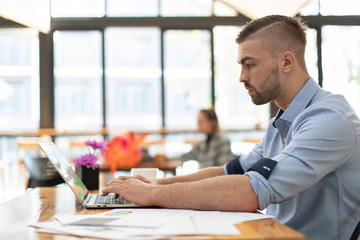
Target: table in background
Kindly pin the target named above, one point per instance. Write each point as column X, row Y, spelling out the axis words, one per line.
column 166, row 166
column 41, row 204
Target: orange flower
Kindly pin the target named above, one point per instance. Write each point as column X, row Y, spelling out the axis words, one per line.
column 124, row 151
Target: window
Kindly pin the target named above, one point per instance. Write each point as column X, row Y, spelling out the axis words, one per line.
column 133, row 78
column 172, row 8
column 310, row 8
column 78, row 80
column 77, row 8
column 311, row 58
column 335, row 7
column 233, row 105
column 19, row 79
column 126, row 8
column 341, row 62
column 187, row 76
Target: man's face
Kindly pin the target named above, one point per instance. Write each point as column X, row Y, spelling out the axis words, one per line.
column 259, row 72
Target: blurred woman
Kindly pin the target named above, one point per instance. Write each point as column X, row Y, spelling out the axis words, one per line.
column 215, row 150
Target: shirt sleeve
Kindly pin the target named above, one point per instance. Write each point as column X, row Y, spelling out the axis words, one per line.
column 245, row 161
column 319, row 141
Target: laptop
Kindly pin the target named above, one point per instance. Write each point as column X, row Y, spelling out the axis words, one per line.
column 87, row 199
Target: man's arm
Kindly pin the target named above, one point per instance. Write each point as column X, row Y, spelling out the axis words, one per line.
column 199, row 175
column 222, row 193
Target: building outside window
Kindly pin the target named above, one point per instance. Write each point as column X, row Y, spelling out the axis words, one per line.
column 133, row 78
column 78, row 80
column 19, row 79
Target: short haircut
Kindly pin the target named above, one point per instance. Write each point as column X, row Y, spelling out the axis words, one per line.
column 278, row 34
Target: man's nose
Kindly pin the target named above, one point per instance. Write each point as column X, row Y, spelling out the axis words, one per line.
column 243, row 77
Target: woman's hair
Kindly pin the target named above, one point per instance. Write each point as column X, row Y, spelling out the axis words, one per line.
column 211, row 116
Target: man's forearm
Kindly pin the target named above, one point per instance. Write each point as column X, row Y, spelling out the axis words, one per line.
column 199, row 175
column 222, row 193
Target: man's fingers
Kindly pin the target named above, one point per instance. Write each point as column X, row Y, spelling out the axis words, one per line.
column 142, row 178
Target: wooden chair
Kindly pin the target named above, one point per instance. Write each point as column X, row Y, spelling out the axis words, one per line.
column 28, row 146
column 3, row 172
column 252, row 140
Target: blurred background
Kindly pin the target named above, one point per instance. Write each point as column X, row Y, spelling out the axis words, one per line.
column 80, row 69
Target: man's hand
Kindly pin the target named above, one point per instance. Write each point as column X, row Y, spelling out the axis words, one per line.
column 141, row 178
column 137, row 189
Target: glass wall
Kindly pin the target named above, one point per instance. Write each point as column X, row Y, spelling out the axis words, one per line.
column 233, row 104
column 341, row 62
column 126, row 8
column 186, row 8
column 133, row 78
column 187, row 76
column 78, row 80
column 155, row 76
column 19, row 79
column 77, row 8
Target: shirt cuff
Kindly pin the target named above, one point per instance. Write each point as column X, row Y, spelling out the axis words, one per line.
column 234, row 166
column 261, row 188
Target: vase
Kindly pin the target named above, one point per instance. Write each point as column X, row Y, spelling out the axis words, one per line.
column 89, row 176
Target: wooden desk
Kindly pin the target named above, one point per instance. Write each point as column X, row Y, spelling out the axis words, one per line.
column 41, row 204
column 166, row 166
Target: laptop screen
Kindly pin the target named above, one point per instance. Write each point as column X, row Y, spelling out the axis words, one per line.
column 65, row 170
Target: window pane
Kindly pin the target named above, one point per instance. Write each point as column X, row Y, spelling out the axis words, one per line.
column 233, row 104
column 221, row 9
column 187, row 76
column 77, row 8
column 335, row 7
column 310, row 8
column 133, row 77
column 126, row 8
column 78, row 84
column 341, row 62
column 187, row 8
column 311, row 58
column 19, row 79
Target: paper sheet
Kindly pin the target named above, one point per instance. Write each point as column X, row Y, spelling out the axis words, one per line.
column 146, row 218
column 184, row 222
column 240, row 217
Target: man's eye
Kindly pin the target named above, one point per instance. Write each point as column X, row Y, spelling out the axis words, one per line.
column 249, row 65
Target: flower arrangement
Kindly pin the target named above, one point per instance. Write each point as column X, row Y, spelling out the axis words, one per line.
column 124, row 151
column 90, row 160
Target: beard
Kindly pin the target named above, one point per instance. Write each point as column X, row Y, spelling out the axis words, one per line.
column 268, row 90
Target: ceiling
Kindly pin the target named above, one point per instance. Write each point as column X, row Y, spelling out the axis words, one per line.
column 260, row 8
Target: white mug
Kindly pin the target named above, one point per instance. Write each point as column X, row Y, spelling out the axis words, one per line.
column 149, row 173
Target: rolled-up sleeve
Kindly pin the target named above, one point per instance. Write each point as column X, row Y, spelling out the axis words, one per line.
column 261, row 187
column 315, row 148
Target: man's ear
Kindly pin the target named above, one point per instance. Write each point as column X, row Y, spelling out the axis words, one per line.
column 288, row 61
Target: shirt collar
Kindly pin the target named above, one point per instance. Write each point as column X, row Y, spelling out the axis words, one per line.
column 299, row 103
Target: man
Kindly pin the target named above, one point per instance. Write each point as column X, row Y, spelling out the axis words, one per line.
column 306, row 170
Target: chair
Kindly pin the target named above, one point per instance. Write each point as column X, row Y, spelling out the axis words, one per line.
column 3, row 172
column 27, row 146
column 356, row 233
column 41, row 172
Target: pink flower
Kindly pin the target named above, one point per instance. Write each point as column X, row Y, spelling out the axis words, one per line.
column 102, row 146
column 88, row 160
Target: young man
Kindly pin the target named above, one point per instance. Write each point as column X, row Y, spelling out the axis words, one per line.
column 306, row 170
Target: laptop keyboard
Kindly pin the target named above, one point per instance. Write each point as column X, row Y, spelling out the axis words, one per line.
column 110, row 199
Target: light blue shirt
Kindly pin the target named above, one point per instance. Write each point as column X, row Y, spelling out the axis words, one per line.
column 315, row 186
